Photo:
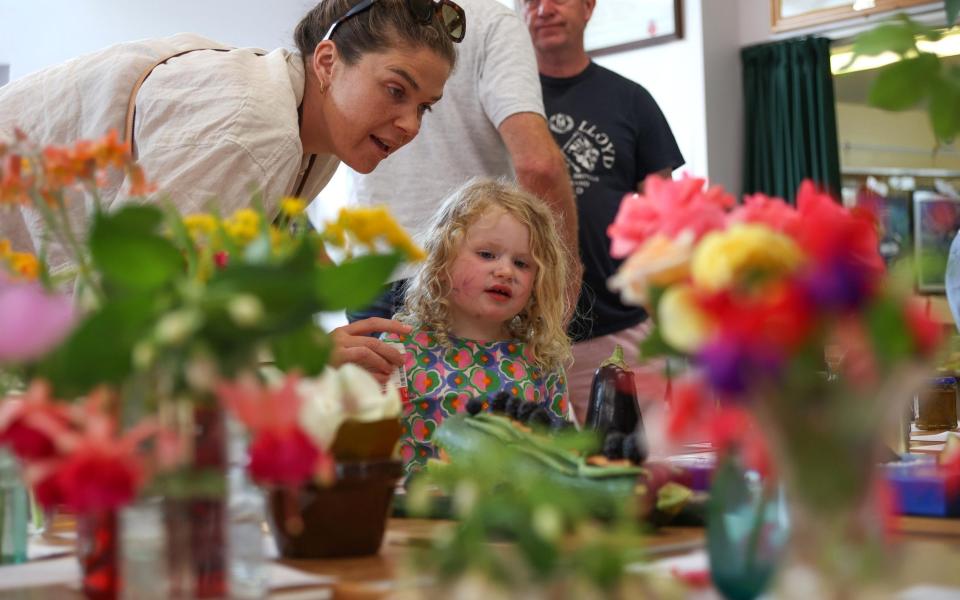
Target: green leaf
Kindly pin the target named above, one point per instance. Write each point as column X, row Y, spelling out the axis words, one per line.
column 354, row 283
column 888, row 331
column 953, row 9
column 655, row 345
column 890, row 37
column 306, row 349
column 126, row 249
column 944, row 109
column 903, row 84
column 100, row 349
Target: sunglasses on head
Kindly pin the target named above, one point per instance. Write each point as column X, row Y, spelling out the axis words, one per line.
column 450, row 15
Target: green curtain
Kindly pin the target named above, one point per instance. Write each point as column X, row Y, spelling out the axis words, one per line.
column 790, row 117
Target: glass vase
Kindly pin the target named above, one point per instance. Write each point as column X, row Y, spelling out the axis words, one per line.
column 195, row 505
column 98, row 549
column 747, row 530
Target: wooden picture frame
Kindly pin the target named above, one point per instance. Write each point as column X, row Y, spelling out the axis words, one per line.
column 796, row 14
column 618, row 25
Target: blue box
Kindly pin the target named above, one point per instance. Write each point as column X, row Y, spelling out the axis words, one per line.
column 922, row 488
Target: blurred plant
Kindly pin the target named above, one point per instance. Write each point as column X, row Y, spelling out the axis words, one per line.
column 574, row 527
column 802, row 348
column 917, row 75
column 169, row 307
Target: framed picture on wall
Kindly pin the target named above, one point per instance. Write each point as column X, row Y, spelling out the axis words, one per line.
column 936, row 219
column 796, row 14
column 893, row 212
column 618, row 25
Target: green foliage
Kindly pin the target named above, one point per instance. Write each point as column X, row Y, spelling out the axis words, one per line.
column 129, row 252
column 306, row 349
column 354, row 283
column 918, row 76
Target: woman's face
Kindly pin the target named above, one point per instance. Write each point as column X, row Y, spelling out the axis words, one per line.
column 374, row 107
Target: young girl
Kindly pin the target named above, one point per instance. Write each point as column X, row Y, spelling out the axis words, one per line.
column 487, row 307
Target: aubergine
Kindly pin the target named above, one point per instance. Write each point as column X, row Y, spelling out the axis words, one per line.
column 613, row 403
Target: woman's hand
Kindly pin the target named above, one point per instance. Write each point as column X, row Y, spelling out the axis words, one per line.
column 352, row 343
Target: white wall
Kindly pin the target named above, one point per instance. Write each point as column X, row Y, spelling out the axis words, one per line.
column 673, row 74
column 38, row 33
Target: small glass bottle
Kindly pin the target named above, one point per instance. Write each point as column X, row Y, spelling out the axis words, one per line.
column 13, row 512
column 246, row 512
column 937, row 405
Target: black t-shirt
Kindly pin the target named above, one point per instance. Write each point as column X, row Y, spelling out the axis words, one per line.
column 612, row 134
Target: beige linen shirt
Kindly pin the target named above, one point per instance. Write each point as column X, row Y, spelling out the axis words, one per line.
column 211, row 128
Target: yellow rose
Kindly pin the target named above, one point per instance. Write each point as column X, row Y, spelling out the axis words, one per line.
column 660, row 261
column 682, row 324
column 742, row 256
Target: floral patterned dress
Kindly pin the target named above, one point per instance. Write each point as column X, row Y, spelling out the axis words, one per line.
column 441, row 380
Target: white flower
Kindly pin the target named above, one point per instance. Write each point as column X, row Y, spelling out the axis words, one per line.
column 246, row 310
column 348, row 392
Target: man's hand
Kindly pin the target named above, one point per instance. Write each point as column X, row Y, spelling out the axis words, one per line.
column 352, row 343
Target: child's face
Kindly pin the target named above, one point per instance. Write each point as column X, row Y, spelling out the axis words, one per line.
column 491, row 277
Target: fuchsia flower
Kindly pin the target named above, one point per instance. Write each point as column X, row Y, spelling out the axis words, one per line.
column 76, row 458
column 32, row 321
column 19, row 418
column 667, row 207
column 281, row 453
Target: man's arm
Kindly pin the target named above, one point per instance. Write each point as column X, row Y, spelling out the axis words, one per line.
column 541, row 170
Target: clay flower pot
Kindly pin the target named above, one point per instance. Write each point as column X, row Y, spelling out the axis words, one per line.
column 345, row 519
column 348, row 517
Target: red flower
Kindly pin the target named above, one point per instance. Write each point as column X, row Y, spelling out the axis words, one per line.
column 221, row 258
column 25, row 423
column 281, row 452
column 99, row 476
column 927, row 333
column 828, row 233
column 667, row 207
column 283, row 458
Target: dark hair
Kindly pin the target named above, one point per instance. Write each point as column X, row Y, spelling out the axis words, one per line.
column 386, row 25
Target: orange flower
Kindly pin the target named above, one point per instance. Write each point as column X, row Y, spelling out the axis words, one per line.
column 139, row 186
column 13, row 185
column 25, row 265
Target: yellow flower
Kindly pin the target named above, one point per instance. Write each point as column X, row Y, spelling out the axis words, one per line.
column 369, row 224
column 292, row 207
column 200, row 224
column 25, row 265
column 243, row 226
column 742, row 256
column 660, row 261
column 682, row 324
column 5, row 249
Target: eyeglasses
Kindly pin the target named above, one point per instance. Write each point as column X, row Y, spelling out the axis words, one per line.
column 450, row 14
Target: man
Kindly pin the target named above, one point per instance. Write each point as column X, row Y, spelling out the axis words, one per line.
column 490, row 122
column 612, row 135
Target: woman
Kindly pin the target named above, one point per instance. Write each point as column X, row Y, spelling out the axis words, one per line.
column 208, row 122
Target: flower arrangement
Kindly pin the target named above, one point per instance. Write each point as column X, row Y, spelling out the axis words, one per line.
column 801, row 346
column 190, row 305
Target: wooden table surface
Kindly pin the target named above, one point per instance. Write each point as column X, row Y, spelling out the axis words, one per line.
column 923, row 546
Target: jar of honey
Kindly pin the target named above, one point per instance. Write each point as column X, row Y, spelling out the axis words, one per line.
column 937, row 405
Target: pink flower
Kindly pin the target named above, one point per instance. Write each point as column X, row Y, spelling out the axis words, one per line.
column 667, row 207
column 32, row 321
column 765, row 210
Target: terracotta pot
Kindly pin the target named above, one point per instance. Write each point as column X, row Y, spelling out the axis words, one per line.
column 347, row 518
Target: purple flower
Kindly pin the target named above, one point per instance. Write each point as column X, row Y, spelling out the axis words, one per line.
column 32, row 321
column 838, row 285
column 732, row 365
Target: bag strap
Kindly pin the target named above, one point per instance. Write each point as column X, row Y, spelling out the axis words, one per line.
column 129, row 120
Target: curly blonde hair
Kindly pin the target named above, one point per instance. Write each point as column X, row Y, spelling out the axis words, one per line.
column 541, row 323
